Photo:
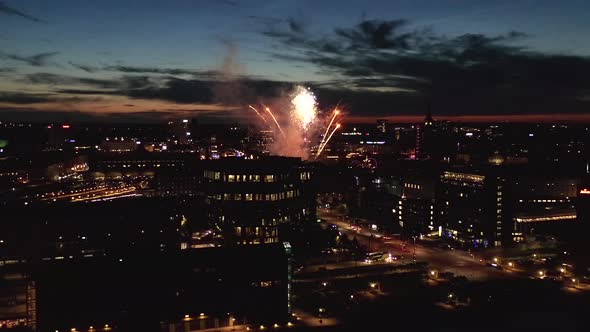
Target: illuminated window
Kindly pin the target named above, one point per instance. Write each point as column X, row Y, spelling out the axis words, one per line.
column 216, row 175
column 231, row 178
column 257, row 178
column 238, row 197
column 238, row 178
column 269, row 178
column 226, row 197
column 499, row 193
column 248, row 197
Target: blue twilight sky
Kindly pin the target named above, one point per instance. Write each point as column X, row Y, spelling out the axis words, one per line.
column 194, row 34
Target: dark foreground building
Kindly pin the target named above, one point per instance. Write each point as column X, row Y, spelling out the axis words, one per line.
column 119, row 265
column 187, row 290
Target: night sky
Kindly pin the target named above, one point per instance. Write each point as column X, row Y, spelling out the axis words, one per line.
column 471, row 60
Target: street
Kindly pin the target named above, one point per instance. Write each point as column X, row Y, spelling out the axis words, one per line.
column 455, row 261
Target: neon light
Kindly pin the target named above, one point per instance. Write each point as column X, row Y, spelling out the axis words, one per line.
column 585, row 191
column 65, row 126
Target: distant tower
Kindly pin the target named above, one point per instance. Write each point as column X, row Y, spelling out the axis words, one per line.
column 382, row 126
column 424, row 136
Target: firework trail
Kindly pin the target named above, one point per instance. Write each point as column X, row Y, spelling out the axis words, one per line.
column 336, row 112
column 326, row 142
column 260, row 115
column 276, row 122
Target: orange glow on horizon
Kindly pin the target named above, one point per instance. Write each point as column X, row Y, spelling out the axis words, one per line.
column 520, row 118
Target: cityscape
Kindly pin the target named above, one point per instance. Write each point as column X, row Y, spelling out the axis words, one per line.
column 428, row 173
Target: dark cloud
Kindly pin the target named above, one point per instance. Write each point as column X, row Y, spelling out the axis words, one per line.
column 399, row 67
column 86, row 68
column 150, row 70
column 54, row 79
column 296, row 24
column 17, row 114
column 37, row 98
column 85, row 92
column 169, row 88
column 23, row 98
column 5, row 9
column 37, row 60
column 267, row 20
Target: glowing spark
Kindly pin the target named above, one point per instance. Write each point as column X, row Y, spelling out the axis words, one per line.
column 260, row 115
column 329, row 137
column 276, row 122
column 304, row 106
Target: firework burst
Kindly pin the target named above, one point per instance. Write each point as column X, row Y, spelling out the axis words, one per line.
column 299, row 120
column 304, row 107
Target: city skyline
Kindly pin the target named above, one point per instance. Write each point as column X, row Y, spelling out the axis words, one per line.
column 472, row 61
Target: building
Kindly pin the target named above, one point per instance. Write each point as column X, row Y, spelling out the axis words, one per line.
column 415, row 211
column 474, row 207
column 180, row 131
column 544, row 204
column 119, row 145
column 251, row 199
column 140, row 164
column 18, row 306
column 424, row 137
column 197, row 289
column 120, row 264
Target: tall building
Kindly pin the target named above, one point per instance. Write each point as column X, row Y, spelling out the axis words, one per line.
column 416, row 207
column 250, row 199
column 424, row 137
column 180, row 131
column 474, row 208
